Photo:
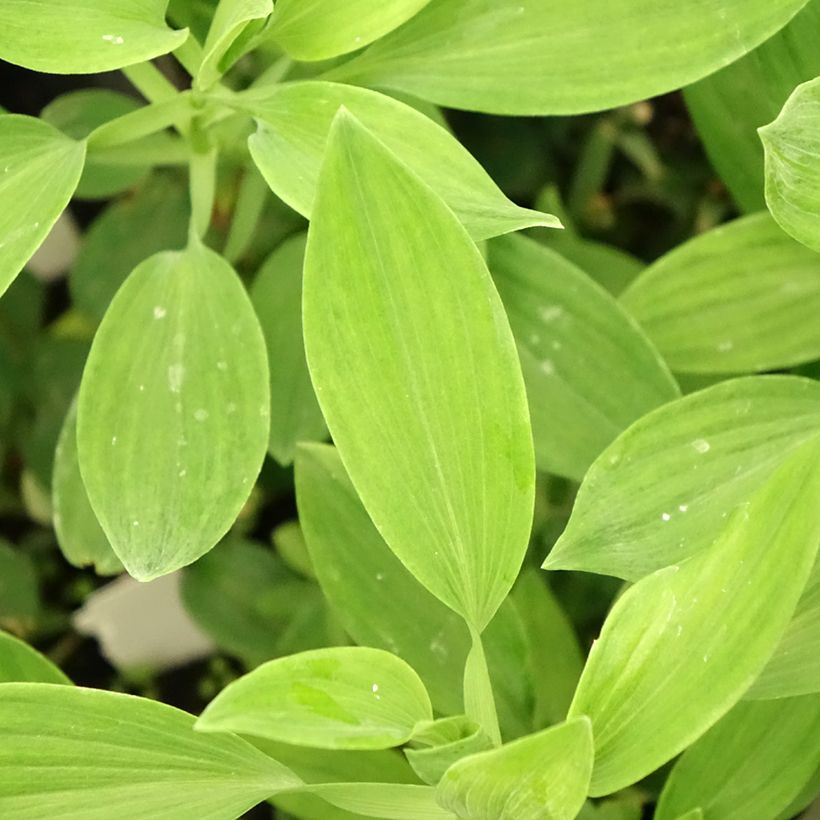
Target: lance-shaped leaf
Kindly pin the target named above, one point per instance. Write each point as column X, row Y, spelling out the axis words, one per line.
column 794, row 668
column 589, row 369
column 729, row 106
column 537, row 57
column 319, row 29
column 173, row 410
column 19, row 663
column 293, row 125
column 544, row 776
column 277, row 299
column 386, row 801
column 233, row 23
column 359, row 575
column 84, row 36
column 78, row 753
column 39, row 171
column 79, row 534
column 681, row 646
column 336, row 698
column 742, row 297
column 664, row 488
column 417, row 374
column 750, row 765
column 792, row 149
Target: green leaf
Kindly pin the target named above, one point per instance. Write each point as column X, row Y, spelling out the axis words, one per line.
column 82, row 754
column 232, row 21
column 19, row 662
column 729, row 106
column 792, row 150
column 417, row 375
column 335, row 698
column 155, row 218
column 541, row 777
column 554, row 654
column 665, row 488
column 359, row 575
column 244, row 598
column 79, row 534
column 319, row 29
column 442, row 743
column 293, row 123
column 19, row 594
column 277, row 299
column 387, row 801
column 290, row 544
column 743, row 297
column 541, row 58
column 173, row 410
column 748, row 766
column 82, row 37
column 794, row 668
column 589, row 370
column 681, row 646
column 39, row 170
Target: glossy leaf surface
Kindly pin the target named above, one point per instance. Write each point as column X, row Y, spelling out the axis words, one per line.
column 293, row 125
column 336, row 698
column 536, row 57
column 416, row 371
column 173, row 411
column 39, row 171
column 681, row 646
column 743, row 297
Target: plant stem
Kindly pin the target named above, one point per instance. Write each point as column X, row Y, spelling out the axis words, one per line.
column 147, row 120
column 253, row 191
column 202, row 181
column 479, row 703
column 189, row 55
column 150, row 82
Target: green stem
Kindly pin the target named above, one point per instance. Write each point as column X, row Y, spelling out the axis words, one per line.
column 274, row 73
column 479, row 703
column 142, row 122
column 202, row 182
column 253, row 191
column 150, row 82
column 189, row 55
column 154, row 150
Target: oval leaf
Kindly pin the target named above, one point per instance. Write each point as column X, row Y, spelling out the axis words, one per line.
column 173, row 411
column 741, row 298
column 537, row 57
column 84, row 36
column 666, row 486
column 337, row 698
column 277, row 298
column 39, row 171
column 319, row 29
column 748, row 766
column 20, row 663
column 589, row 369
column 792, row 150
column 293, row 126
column 417, row 374
column 78, row 753
column 544, row 776
column 680, row 648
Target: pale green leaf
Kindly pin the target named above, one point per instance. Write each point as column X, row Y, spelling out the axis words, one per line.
column 19, row 662
column 289, row 542
column 589, row 369
column 807, row 795
column 359, row 575
column 387, row 801
column 335, row 698
column 82, row 754
column 792, row 149
column 173, row 410
column 743, row 297
column 232, row 21
column 155, row 218
column 79, row 534
column 539, row 57
column 277, row 299
column 84, row 36
column 417, row 375
column 544, row 776
column 750, row 765
column 319, row 29
column 681, row 646
column 663, row 490
column 794, row 668
column 729, row 106
column 39, row 170
column 293, row 123
column 436, row 747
